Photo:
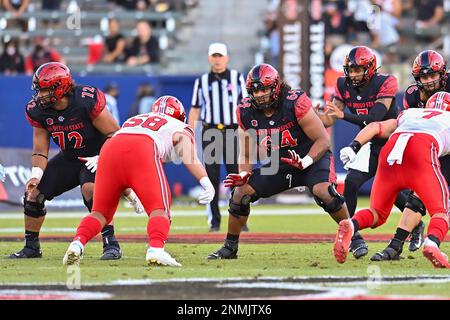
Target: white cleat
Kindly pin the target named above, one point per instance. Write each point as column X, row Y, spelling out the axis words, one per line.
column 157, row 256
column 73, row 254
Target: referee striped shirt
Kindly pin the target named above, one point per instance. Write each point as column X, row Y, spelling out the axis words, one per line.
column 218, row 94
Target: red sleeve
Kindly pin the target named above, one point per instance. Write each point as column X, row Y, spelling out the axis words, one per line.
column 302, row 106
column 389, row 88
column 337, row 93
column 99, row 105
column 33, row 122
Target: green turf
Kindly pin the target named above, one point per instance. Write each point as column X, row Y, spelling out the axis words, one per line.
column 289, row 260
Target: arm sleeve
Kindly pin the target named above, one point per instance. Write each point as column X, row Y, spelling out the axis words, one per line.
column 33, row 123
column 302, row 106
column 238, row 117
column 337, row 93
column 376, row 113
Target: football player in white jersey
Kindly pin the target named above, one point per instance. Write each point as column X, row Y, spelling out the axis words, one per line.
column 409, row 160
column 133, row 158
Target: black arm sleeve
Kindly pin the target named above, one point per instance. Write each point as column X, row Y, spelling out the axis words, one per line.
column 376, row 113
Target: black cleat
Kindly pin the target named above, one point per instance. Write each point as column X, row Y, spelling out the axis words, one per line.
column 416, row 238
column 358, row 246
column 27, row 253
column 387, row 254
column 111, row 252
column 228, row 251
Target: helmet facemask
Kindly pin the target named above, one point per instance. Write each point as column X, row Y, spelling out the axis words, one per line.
column 264, row 101
column 353, row 82
column 433, row 86
column 47, row 100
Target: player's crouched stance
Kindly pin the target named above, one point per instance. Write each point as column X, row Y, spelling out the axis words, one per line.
column 304, row 156
column 409, row 160
column 133, row 158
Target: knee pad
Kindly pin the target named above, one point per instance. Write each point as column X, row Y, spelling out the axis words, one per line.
column 335, row 204
column 88, row 203
column 241, row 209
column 35, row 209
column 415, row 204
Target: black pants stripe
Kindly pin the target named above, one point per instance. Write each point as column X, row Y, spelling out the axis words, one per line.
column 213, row 169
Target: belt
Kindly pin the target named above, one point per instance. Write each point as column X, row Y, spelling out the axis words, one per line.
column 220, row 126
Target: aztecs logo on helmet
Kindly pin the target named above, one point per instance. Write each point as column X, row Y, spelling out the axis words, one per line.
column 363, row 57
column 55, row 80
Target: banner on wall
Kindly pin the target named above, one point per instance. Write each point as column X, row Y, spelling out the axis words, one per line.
column 302, row 46
column 18, row 170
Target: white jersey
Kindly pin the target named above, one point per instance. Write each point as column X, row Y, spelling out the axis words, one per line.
column 160, row 128
column 434, row 122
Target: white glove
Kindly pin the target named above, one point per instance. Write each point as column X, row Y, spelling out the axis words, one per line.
column 2, row 173
column 347, row 155
column 90, row 162
column 135, row 202
column 208, row 194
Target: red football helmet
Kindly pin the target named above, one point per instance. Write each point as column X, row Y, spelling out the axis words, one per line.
column 56, row 78
column 429, row 62
column 360, row 56
column 171, row 106
column 261, row 77
column 439, row 100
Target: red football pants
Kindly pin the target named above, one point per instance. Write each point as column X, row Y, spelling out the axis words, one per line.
column 420, row 171
column 130, row 161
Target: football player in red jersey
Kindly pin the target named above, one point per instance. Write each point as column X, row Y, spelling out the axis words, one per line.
column 282, row 121
column 135, row 154
column 429, row 70
column 417, row 138
column 369, row 96
column 75, row 117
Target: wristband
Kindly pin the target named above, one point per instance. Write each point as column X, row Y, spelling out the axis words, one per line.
column 307, row 161
column 355, row 145
column 37, row 172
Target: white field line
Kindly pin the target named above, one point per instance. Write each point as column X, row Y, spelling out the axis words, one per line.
column 62, row 230
column 179, row 213
column 71, row 295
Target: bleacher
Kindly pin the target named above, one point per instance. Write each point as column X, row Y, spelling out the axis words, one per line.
column 86, row 21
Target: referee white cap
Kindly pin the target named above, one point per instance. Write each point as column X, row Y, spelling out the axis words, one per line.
column 217, row 47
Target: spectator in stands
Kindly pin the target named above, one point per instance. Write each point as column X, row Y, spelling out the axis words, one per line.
column 361, row 11
column 145, row 98
column 387, row 18
column 111, row 91
column 140, row 5
column 429, row 13
column 17, row 8
column 338, row 24
column 51, row 5
column 41, row 54
column 114, row 43
column 11, row 60
column 144, row 48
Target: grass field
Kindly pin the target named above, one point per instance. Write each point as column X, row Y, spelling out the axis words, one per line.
column 310, row 265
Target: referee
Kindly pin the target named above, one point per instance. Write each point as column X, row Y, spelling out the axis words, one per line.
column 214, row 100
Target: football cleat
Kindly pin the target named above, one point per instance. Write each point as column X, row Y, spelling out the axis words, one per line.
column 228, row 251
column 343, row 240
column 387, row 254
column 158, row 256
column 27, row 253
column 432, row 252
column 73, row 254
column 358, row 246
column 111, row 252
column 416, row 238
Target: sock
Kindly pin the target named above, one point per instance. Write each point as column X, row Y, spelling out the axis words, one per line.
column 31, row 239
column 158, row 231
column 363, row 219
column 232, row 237
column 89, row 227
column 399, row 239
column 438, row 228
column 108, row 236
